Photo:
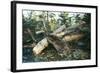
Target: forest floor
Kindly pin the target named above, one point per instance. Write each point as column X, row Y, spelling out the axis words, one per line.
column 50, row 54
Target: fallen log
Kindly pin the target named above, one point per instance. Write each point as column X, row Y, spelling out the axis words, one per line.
column 61, row 46
column 40, row 46
column 73, row 37
column 44, row 43
column 61, row 31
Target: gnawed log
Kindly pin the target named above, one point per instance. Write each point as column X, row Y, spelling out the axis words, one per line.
column 40, row 46
column 73, row 37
